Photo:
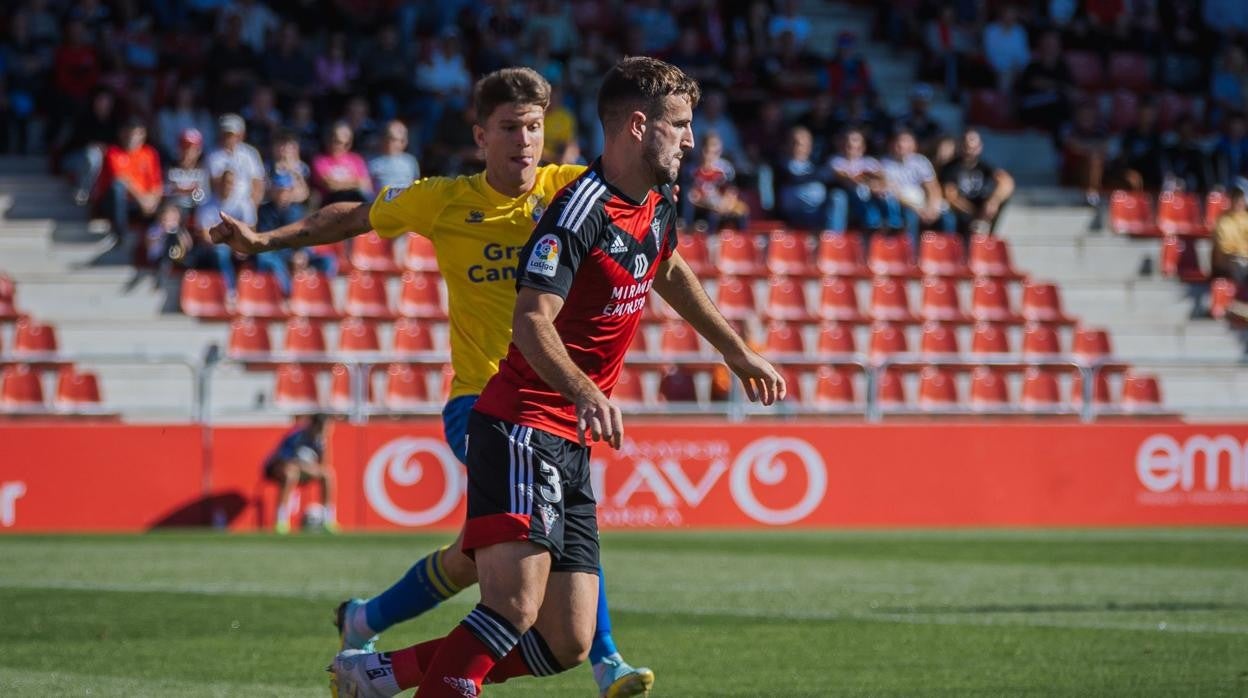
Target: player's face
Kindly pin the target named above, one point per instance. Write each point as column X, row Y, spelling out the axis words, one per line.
column 512, row 138
column 668, row 139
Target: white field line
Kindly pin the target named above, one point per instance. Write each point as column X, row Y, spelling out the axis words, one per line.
column 1052, row 619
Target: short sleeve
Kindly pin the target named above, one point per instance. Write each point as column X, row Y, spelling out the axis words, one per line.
column 563, row 237
column 414, row 208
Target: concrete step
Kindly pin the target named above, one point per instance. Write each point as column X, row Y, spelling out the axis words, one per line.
column 168, row 335
column 84, row 298
column 1202, row 389
column 61, row 259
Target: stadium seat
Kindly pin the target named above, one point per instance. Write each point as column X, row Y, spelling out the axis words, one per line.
column 1173, row 107
column 794, row 394
column 203, row 295
column 788, row 255
column 76, row 389
column 367, row 296
column 303, row 337
column 939, row 342
column 357, row 335
column 406, row 386
column 1131, row 71
column 890, row 389
column 886, row 341
column 296, row 388
column 990, row 340
column 693, row 248
column 1216, row 204
column 8, row 299
column 990, row 302
column 735, row 298
column 838, row 301
column 420, row 254
column 786, row 300
column 1222, row 293
column 1040, row 341
column 990, row 256
column 840, row 254
column 249, row 338
column 937, row 389
column 259, row 296
column 640, row 343
column 340, row 387
column 677, row 385
column 784, row 338
column 33, row 339
column 989, row 390
column 1086, row 69
column 1090, row 345
column 629, row 390
column 312, row 296
column 889, row 302
column 990, row 108
column 1100, row 390
column 1179, row 260
column 1179, row 213
column 941, row 254
column 739, row 254
column 1131, row 213
column 338, row 251
column 421, row 296
column 1124, row 109
column 834, row 387
column 373, row 253
column 1140, row 393
column 20, row 388
column 412, row 336
column 835, row 339
column 1043, row 303
column 891, row 255
column 679, row 338
column 1040, row 390
column 940, row 301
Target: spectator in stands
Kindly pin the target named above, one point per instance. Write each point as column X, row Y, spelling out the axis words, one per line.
column 1005, row 47
column 918, row 120
column 764, row 132
column 280, row 210
column 256, row 20
column 801, row 195
column 1085, row 147
column 242, row 161
column 76, row 71
column 560, row 126
column 1137, row 165
column 234, row 66
column 1229, row 85
column 130, row 181
column 186, row 181
column 394, row 167
column 858, row 196
column 554, row 20
column 170, row 245
column 912, row 186
column 713, row 116
column 287, row 66
column 976, row 191
column 1230, row 241
column 25, row 59
column 657, row 26
column 1186, row 166
column 848, row 73
column 173, row 120
column 744, row 78
column 262, row 117
column 339, row 173
column 712, row 195
column 443, row 82
column 790, row 71
column 1045, row 88
column 222, row 200
column 789, row 20
column 948, row 44
column 87, row 139
column 692, row 57
column 1230, row 153
column 388, row 76
column 364, row 130
column 823, row 122
column 300, row 458
column 336, row 72
column 286, row 160
column 304, row 126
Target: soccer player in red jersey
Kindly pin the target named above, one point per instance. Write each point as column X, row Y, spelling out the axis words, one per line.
column 583, row 278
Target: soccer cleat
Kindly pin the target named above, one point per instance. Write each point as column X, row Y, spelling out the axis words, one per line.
column 616, row 679
column 350, row 638
column 349, row 676
column 281, row 528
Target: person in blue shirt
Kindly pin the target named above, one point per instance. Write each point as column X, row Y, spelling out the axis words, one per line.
column 300, row 458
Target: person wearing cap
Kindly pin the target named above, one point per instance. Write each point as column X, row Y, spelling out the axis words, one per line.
column 186, row 181
column 130, row 181
column 240, row 158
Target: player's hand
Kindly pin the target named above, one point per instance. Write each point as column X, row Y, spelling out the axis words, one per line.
column 601, row 418
column 763, row 383
column 238, row 235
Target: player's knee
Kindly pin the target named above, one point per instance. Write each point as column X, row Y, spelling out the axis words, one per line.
column 290, row 473
column 571, row 648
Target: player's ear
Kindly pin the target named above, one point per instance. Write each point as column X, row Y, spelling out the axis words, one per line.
column 637, row 125
column 478, row 136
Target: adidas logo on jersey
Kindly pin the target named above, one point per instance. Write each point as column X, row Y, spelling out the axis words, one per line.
column 465, row 687
column 618, row 247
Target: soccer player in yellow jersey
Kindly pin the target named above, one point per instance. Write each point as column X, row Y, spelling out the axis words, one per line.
column 478, row 224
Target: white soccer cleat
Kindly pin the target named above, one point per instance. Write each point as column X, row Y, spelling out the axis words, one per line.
column 345, row 619
column 360, row 674
column 616, row 679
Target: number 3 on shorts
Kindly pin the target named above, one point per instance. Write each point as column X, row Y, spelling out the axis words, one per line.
column 552, row 491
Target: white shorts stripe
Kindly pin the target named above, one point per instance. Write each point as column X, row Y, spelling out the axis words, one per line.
column 528, row 461
column 513, row 472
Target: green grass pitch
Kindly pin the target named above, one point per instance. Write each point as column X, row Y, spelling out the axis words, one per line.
column 792, row 614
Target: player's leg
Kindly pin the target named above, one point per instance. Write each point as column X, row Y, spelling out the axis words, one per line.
column 287, row 475
column 323, row 475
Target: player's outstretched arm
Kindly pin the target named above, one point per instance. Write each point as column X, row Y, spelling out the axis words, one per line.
column 534, row 334
column 329, row 224
column 679, row 287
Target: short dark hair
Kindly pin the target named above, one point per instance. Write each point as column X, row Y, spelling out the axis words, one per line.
column 640, row 83
column 508, row 85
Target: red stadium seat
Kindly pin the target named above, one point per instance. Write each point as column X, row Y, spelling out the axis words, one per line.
column 677, row 385
column 357, row 335
column 33, row 339
column 76, row 389
column 340, row 387
column 889, row 302
column 640, row 343
column 988, row 390
column 296, row 388
column 789, row 255
column 338, row 251
column 937, row 389
column 371, row 252
column 303, row 337
column 1040, row 390
column 1216, row 204
column 941, row 254
column 8, row 299
column 311, row 295
column 203, row 295
column 886, row 341
column 1179, row 213
column 793, row 392
column 420, row 254
column 990, row 302
column 1086, row 69
column 421, row 296
column 735, row 298
column 1130, row 71
column 1043, row 303
column 1140, row 393
column 840, row 254
column 1100, row 390
column 1222, row 293
column 1124, row 109
column 629, row 389
column 834, row 387
column 694, row 249
column 20, row 388
column 1131, row 213
column 891, row 255
column 992, row 109
column 1173, row 108
column 835, row 339
column 1040, row 341
column 367, row 297
column 990, row 256
column 406, row 386
column 1090, row 345
column 786, row 300
column 990, row 340
column 890, row 389
column 412, row 336
column 783, row 338
column 679, row 338
column 739, row 254
column 249, row 338
column 259, row 296
column 1179, row 260
column 939, row 342
column 838, row 301
column 940, row 301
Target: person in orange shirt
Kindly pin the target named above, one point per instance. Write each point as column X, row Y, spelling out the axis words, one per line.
column 131, row 179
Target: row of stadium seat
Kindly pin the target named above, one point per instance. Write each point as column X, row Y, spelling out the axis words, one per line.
column 1177, row 214
column 21, row 391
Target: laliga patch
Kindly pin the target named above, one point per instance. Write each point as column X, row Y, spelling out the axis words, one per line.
column 545, row 257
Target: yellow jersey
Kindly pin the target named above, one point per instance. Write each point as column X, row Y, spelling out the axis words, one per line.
column 477, row 234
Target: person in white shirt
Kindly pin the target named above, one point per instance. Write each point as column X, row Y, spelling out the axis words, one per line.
column 913, row 191
column 247, row 183
column 1005, row 47
column 857, row 196
column 394, row 167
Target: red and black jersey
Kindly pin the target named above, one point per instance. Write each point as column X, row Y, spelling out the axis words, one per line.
column 599, row 251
